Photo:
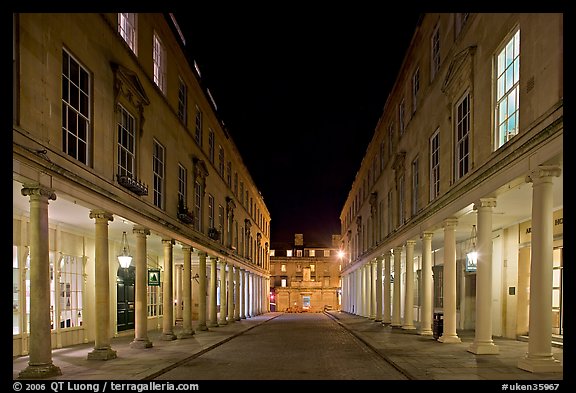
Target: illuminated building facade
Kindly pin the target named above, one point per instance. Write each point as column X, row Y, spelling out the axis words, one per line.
column 305, row 277
column 456, row 211
column 118, row 150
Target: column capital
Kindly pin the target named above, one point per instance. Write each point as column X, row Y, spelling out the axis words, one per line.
column 427, row 235
column 101, row 215
column 140, row 231
column 168, row 242
column 388, row 254
column 38, row 191
column 542, row 172
column 187, row 248
column 398, row 249
column 379, row 258
column 450, row 222
column 410, row 243
column 485, row 203
column 201, row 253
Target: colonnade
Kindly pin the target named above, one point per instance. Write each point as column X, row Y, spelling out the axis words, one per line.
column 363, row 286
column 243, row 293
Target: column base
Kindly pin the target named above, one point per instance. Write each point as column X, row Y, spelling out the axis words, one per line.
column 212, row 324
column 483, row 348
column 396, row 326
column 231, row 320
column 236, row 318
column 202, row 327
column 167, row 336
column 449, row 339
column 243, row 317
column 426, row 332
column 141, row 343
column 102, row 354
column 222, row 323
column 186, row 333
column 45, row 370
column 378, row 320
column 409, row 327
column 541, row 365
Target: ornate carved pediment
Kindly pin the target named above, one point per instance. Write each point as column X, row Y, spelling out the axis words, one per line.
column 127, row 84
column 230, row 205
column 459, row 71
column 398, row 164
column 373, row 203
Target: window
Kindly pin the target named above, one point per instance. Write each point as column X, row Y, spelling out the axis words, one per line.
column 415, row 89
column 182, row 176
column 221, row 161
column 401, row 117
column 182, row 101
column 312, row 268
column 76, row 92
column 69, row 290
column 126, row 143
column 127, row 28
column 197, row 206
column 283, row 283
column 298, row 253
column 435, row 165
column 415, row 186
column 391, row 140
column 211, row 145
column 507, row 90
column 210, row 211
column 460, row 20
column 158, row 170
column 382, row 153
column 390, row 213
column 312, row 253
column 229, row 173
column 159, row 59
column 272, row 253
column 288, row 253
column 463, row 136
column 221, row 223
column 16, row 292
column 401, row 202
column 435, row 52
column 155, row 299
column 236, row 183
column 198, row 126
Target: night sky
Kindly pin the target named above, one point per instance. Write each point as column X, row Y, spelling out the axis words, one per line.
column 300, row 91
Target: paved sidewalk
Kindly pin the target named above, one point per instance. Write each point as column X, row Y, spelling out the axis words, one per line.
column 141, row 364
column 424, row 358
column 418, row 357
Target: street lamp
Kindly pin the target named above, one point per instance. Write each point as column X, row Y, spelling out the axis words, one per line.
column 472, row 255
column 125, row 259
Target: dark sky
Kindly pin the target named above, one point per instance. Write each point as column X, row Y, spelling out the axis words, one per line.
column 300, row 92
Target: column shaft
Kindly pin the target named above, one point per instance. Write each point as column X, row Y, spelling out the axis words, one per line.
column 202, row 291
column 168, row 303
column 378, row 315
column 409, row 292
column 40, row 364
column 223, row 293
column 141, row 339
column 396, row 316
column 449, row 283
column 230, row 293
column 387, row 310
column 213, row 293
column 426, row 324
column 187, row 330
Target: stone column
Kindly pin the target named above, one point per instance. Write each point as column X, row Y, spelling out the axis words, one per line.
column 202, row 291
column 372, row 287
column 449, row 334
column 102, row 348
column 223, row 304
column 365, row 305
column 40, row 364
column 539, row 357
column 396, row 317
column 213, row 293
column 426, row 324
column 237, row 290
column 409, row 292
column 378, row 315
column 178, row 292
column 242, row 291
column 359, row 303
column 483, row 343
column 386, row 317
column 168, row 301
column 247, row 292
column 187, row 330
column 230, row 297
column 141, row 339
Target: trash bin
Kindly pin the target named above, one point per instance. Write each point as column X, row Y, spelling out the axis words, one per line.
column 438, row 325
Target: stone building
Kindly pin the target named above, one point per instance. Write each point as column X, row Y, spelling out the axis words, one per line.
column 456, row 212
column 118, row 150
column 305, row 276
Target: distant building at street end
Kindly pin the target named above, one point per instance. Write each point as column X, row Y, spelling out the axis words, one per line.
column 305, row 277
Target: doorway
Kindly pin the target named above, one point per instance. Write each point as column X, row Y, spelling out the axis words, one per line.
column 125, row 298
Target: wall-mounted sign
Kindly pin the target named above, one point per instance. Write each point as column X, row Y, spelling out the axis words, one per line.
column 154, row 277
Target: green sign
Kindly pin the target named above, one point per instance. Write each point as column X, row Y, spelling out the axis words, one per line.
column 154, row 277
